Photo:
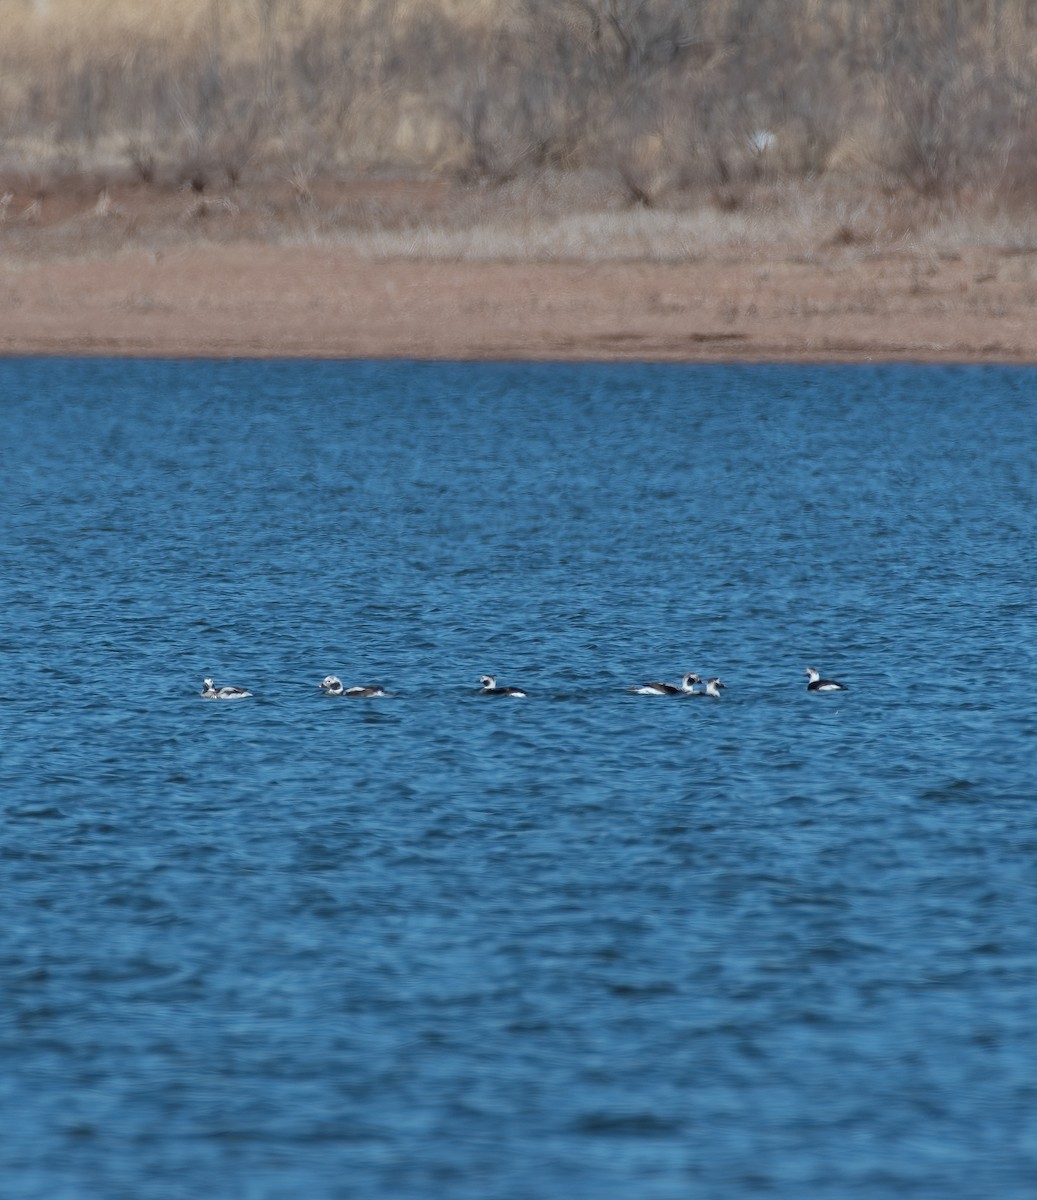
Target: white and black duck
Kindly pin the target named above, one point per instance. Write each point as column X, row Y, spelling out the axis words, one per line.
column 713, row 687
column 211, row 692
column 332, row 686
column 817, row 684
column 686, row 687
column 488, row 687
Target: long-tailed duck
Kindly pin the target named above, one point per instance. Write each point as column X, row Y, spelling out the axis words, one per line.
column 713, row 687
column 817, row 684
column 211, row 692
column 332, row 686
column 488, row 687
column 686, row 687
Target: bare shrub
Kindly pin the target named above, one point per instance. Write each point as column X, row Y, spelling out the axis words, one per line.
column 926, row 103
column 667, row 98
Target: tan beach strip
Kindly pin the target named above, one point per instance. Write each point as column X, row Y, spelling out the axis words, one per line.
column 318, row 301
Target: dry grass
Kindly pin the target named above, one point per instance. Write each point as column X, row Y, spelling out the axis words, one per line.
column 630, row 235
column 566, row 217
column 799, row 223
column 603, row 129
column 92, row 25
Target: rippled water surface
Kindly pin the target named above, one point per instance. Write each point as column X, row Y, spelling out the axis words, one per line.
column 589, row 944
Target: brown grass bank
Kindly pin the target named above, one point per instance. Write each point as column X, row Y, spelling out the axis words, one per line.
column 547, row 178
column 936, row 96
column 416, row 270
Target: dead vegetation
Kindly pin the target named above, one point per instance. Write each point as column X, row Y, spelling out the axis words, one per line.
column 412, row 124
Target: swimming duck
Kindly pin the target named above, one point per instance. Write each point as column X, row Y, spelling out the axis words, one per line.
column 211, row 692
column 332, row 686
column 817, row 684
column 686, row 687
column 488, row 687
column 713, row 687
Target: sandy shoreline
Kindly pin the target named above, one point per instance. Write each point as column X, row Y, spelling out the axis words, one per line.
column 252, row 299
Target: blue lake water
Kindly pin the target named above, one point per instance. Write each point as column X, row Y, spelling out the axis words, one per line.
column 587, row 944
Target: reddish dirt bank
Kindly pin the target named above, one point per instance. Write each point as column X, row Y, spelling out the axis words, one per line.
column 255, row 299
